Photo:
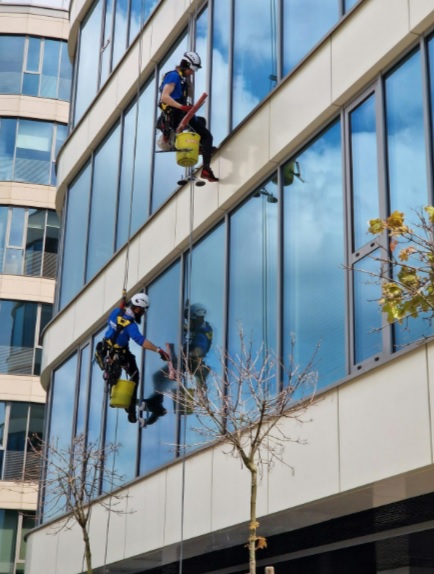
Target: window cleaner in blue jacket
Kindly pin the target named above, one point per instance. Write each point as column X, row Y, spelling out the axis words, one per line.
column 113, row 353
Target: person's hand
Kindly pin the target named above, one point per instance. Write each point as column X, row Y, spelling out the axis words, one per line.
column 164, row 356
column 186, row 108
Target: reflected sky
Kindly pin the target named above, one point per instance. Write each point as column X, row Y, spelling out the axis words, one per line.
column 313, row 255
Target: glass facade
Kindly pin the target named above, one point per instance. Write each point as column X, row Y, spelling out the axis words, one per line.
column 28, row 150
column 109, row 28
column 243, row 61
column 273, row 266
column 20, row 337
column 13, row 527
column 19, row 422
column 28, row 241
column 34, row 66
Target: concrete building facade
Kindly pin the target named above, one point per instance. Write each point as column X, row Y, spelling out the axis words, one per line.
column 35, row 83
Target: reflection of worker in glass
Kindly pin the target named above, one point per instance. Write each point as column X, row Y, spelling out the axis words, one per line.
column 198, row 336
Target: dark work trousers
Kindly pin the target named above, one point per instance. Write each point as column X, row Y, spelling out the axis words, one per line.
column 128, row 362
column 198, row 123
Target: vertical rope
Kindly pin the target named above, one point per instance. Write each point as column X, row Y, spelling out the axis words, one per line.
column 110, row 499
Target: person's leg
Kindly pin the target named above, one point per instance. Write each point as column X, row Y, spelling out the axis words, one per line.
column 130, row 366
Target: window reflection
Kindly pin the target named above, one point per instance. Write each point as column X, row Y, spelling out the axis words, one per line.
column 364, row 170
column 406, row 155
column 254, row 64
column 305, row 22
column 75, row 237
column 253, row 280
column 88, row 61
column 61, row 423
column 313, row 255
column 220, row 108
column 103, row 204
column 367, row 312
column 203, row 317
column 162, row 324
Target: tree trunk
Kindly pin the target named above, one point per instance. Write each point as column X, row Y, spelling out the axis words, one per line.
column 87, row 551
column 253, row 523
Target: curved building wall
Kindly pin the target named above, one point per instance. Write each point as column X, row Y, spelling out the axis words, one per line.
column 331, row 143
column 35, row 82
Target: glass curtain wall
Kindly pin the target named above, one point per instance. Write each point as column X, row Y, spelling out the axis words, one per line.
column 34, row 66
column 107, row 32
column 22, row 323
column 27, row 153
column 28, row 241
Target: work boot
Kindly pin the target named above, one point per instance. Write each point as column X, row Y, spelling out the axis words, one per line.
column 132, row 417
column 155, row 415
column 208, row 174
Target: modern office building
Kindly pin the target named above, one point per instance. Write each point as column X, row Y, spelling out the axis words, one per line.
column 35, row 85
column 322, row 112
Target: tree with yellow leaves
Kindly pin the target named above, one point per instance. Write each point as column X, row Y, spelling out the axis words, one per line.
column 407, row 276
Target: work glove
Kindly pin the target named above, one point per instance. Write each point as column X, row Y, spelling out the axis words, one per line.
column 186, row 108
column 164, row 356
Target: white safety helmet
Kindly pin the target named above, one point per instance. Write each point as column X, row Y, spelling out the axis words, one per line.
column 193, row 60
column 140, row 300
column 197, row 310
column 163, row 143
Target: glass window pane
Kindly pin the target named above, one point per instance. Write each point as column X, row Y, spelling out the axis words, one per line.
column 166, row 171
column 313, row 256
column 17, row 442
column 17, row 337
column 8, row 533
column 120, row 31
column 305, row 22
column 2, row 422
column 51, row 246
column 65, row 74
column 33, row 151
column 80, row 425
column 253, row 280
column 364, row 169
column 88, row 61
column 406, row 151
column 200, row 85
column 162, row 325
column 203, row 338
column 96, row 394
column 31, row 84
column 16, row 231
column 75, row 238
column 142, row 164
column 104, row 194
column 431, row 77
column 29, row 522
column 349, row 4
column 61, row 420
column 11, row 64
column 4, row 212
column 406, row 154
column 107, row 44
column 34, row 241
column 8, row 128
column 13, row 264
column 50, row 69
column 367, row 312
column 255, row 64
column 220, row 71
column 33, row 55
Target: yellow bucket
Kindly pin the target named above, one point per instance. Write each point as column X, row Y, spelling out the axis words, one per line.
column 121, row 394
column 187, row 146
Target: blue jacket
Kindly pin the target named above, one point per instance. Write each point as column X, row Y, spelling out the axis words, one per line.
column 130, row 331
column 180, row 90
